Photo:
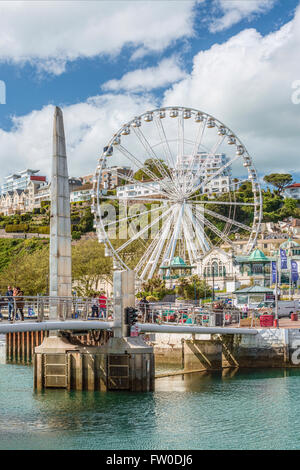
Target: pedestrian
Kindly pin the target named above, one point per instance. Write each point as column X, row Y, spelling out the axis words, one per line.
column 95, row 307
column 10, row 303
column 19, row 298
column 1, row 303
column 145, row 309
column 245, row 311
column 102, row 304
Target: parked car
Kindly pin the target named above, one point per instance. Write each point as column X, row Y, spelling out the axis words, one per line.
column 285, row 307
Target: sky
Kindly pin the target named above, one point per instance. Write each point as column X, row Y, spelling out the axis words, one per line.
column 103, row 62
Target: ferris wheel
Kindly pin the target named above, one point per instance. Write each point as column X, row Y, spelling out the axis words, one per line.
column 174, row 182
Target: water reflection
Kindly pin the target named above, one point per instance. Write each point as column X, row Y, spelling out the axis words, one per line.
column 229, row 409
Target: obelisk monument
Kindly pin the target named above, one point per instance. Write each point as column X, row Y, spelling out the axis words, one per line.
column 60, row 223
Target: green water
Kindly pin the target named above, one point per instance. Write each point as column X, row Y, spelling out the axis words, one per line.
column 245, row 410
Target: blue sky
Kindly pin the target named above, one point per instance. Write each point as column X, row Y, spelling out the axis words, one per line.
column 76, row 71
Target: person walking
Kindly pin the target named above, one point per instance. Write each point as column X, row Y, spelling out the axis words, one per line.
column 19, row 302
column 102, row 305
column 10, row 303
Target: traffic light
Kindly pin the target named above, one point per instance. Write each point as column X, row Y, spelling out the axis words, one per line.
column 131, row 315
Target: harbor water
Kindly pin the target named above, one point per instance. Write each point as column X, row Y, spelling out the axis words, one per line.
column 257, row 409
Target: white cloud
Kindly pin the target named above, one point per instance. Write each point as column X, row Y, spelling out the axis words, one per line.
column 51, row 33
column 246, row 82
column 233, row 11
column 168, row 71
column 88, row 127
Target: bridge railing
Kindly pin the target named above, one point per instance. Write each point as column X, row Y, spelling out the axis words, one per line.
column 42, row 308
column 187, row 314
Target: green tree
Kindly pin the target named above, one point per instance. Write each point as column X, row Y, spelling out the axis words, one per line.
column 192, row 287
column 279, row 180
column 155, row 166
column 89, row 266
column 29, row 271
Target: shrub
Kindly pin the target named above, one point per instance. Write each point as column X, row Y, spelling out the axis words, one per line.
column 10, row 228
column 76, row 235
column 151, row 298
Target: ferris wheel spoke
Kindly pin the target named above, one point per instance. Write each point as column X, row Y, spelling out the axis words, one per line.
column 199, row 231
column 156, row 254
column 148, row 251
column 196, row 148
column 145, row 260
column 142, row 167
column 189, row 235
column 234, row 184
column 144, row 230
column 180, row 149
column 226, row 219
column 159, row 208
column 169, row 241
column 176, row 232
column 165, row 144
column 214, row 229
column 210, row 178
column 188, row 244
column 161, row 169
column 203, row 166
column 226, row 203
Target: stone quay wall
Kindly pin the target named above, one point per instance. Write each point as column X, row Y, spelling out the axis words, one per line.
column 268, row 348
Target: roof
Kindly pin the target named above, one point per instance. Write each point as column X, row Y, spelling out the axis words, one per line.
column 177, row 262
column 289, row 244
column 295, row 185
column 257, row 255
column 254, row 290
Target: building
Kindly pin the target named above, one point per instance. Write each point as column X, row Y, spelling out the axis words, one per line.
column 82, row 194
column 292, row 191
column 138, row 190
column 20, row 180
column 203, row 166
column 32, row 192
column 115, row 176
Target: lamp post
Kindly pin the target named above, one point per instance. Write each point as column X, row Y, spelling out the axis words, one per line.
column 213, row 286
column 276, row 294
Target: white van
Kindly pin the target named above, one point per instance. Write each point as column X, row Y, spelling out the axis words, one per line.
column 285, row 307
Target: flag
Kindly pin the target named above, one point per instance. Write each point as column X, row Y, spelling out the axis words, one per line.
column 283, row 259
column 294, row 270
column 274, row 272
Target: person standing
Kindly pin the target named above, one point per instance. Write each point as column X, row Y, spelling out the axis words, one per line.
column 95, row 307
column 145, row 309
column 10, row 303
column 102, row 305
column 245, row 311
column 19, row 302
column 1, row 303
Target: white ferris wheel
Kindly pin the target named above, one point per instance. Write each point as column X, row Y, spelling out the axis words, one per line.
column 182, row 174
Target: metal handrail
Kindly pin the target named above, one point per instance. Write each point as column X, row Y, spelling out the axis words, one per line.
column 67, row 307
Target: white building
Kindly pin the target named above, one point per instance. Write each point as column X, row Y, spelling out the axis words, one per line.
column 82, row 194
column 20, row 180
column 204, row 166
column 138, row 190
column 292, row 191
